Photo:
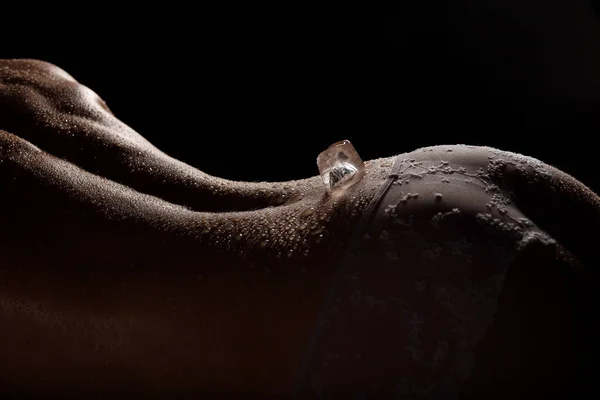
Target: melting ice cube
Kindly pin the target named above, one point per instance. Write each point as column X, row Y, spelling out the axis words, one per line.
column 340, row 166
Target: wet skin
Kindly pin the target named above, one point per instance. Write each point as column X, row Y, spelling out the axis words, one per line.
column 126, row 270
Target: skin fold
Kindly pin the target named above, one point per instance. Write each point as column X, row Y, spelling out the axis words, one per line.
column 123, row 270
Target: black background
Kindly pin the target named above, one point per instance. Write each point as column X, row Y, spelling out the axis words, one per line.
column 258, row 97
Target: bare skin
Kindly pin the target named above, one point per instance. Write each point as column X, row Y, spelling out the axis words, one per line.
column 126, row 270
column 158, row 249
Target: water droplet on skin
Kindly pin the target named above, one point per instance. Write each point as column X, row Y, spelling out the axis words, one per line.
column 308, row 212
column 295, row 197
column 290, row 253
column 264, row 243
column 438, row 197
column 317, row 230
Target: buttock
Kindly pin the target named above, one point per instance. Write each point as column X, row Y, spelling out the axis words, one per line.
column 415, row 297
